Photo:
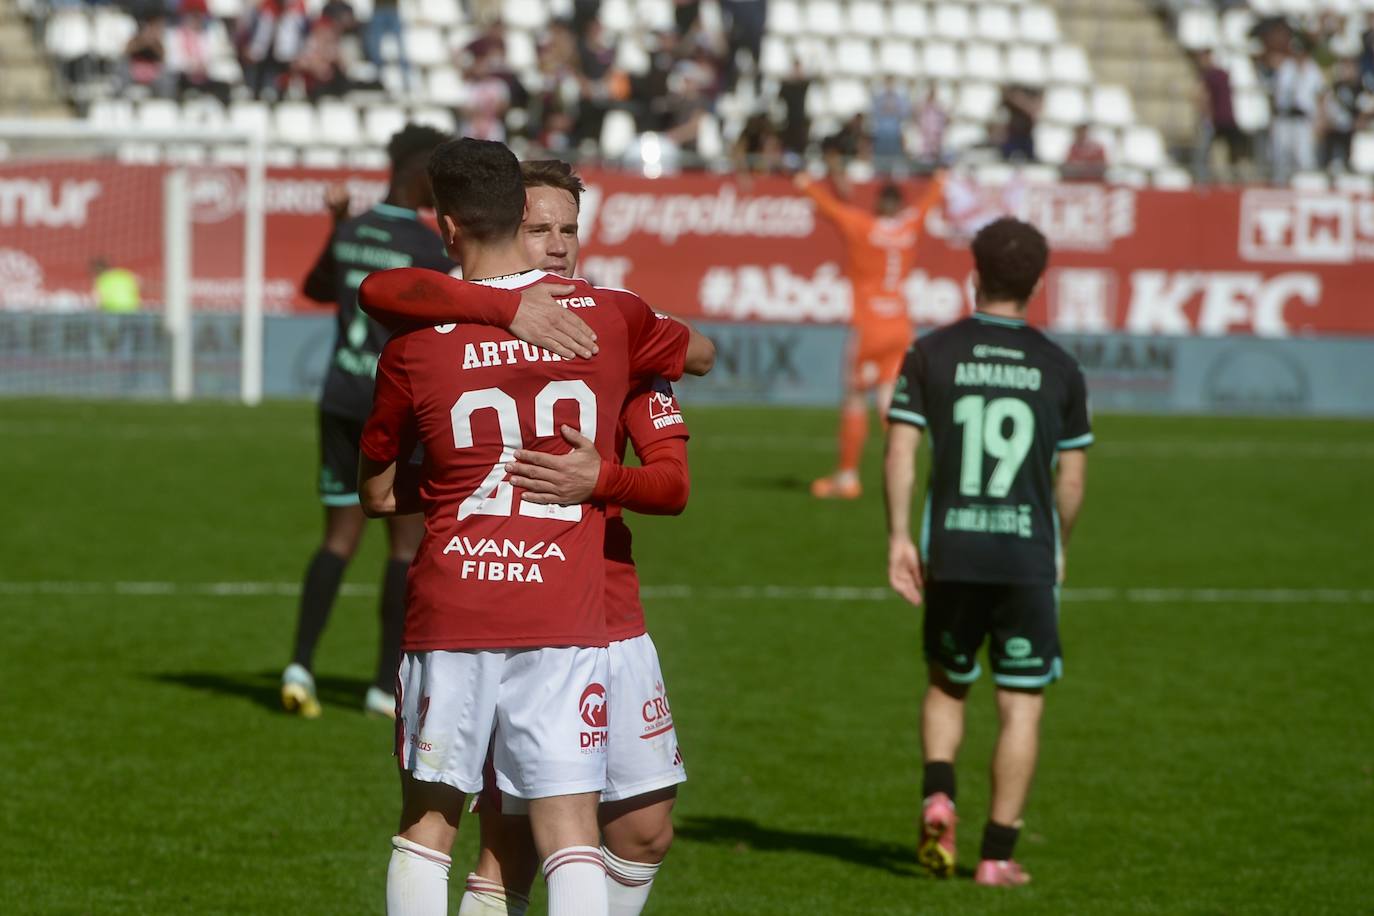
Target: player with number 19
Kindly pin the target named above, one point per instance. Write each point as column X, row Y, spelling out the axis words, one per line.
column 1007, row 413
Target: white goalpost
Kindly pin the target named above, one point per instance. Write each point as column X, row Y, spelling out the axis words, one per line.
column 131, row 261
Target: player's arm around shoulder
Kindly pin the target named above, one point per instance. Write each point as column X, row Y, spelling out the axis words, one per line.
column 387, row 483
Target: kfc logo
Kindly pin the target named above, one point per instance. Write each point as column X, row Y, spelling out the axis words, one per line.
column 592, row 706
column 663, row 410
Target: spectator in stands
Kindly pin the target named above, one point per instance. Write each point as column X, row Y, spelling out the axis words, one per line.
column 386, row 21
column 1086, row 159
column 758, row 147
column 1298, row 87
column 319, row 66
column 685, row 13
column 554, row 108
column 1343, row 114
column 891, row 111
column 584, row 13
column 145, row 57
column 255, row 37
column 931, row 122
column 746, row 21
column 489, row 96
column 1367, row 56
column 1022, row 105
column 602, row 85
column 190, row 51
column 796, row 125
column 1217, row 117
column 692, row 88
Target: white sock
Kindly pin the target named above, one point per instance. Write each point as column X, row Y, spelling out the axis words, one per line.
column 417, row 880
column 627, row 884
column 576, row 876
column 484, row 897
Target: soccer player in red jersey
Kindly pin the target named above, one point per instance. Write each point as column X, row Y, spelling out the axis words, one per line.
column 505, row 620
column 880, row 247
column 644, row 763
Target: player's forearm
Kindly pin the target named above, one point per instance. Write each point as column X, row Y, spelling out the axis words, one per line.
column 899, row 480
column 1069, row 490
column 415, row 295
column 405, row 490
column 377, row 486
column 660, row 486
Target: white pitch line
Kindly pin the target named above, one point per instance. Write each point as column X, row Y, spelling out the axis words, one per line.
column 821, row 593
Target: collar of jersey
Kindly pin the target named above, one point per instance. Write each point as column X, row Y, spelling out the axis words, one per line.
column 515, row 281
column 1000, row 319
column 393, row 210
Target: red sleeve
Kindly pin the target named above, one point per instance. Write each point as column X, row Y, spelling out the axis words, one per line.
column 657, row 343
column 389, row 433
column 651, row 414
column 658, row 487
column 417, row 295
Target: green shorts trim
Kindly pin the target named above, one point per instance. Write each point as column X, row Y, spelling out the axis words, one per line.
column 1010, row 680
column 906, row 416
column 340, row 499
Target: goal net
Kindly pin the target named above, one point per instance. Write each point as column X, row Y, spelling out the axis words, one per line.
column 130, row 263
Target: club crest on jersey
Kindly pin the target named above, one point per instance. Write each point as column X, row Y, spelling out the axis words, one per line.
column 592, row 708
column 663, row 410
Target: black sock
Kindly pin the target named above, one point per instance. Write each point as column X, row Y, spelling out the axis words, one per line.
column 322, row 579
column 393, row 611
column 939, row 777
column 999, row 841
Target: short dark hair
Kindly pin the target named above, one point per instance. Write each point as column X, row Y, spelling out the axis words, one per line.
column 552, row 173
column 478, row 184
column 411, row 143
column 1010, row 256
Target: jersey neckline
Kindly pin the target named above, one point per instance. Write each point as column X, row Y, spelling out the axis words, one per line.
column 395, row 211
column 1000, row 319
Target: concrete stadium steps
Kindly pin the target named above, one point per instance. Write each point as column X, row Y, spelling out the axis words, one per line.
column 27, row 88
column 1131, row 46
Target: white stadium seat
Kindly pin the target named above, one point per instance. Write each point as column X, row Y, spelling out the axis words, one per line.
column 521, row 51
column 1362, row 153
column 339, row 123
column 849, row 97
column 777, row 57
column 381, row 122
column 1143, row 148
column 617, row 16
column 983, row 62
column 525, row 14
column 656, row 15
column 446, row 13
column 159, row 115
column 823, row 17
column 899, row 58
column 1251, row 109
column 995, row 23
column 294, row 123
column 446, row 87
column 1198, row 28
column 204, row 112
column 1310, row 181
column 1025, row 65
column 941, row 61
column 1112, row 105
column 617, row 133
column 116, row 113
column 1171, row 178
column 68, row 34
column 816, row 55
column 111, row 30
column 1065, row 105
column 425, row 46
column 438, row 118
column 784, row 17
column 909, row 20
column 1069, row 64
column 322, row 157
column 978, row 101
column 963, row 135
column 1038, row 24
column 854, row 57
column 868, row 18
column 250, row 117
column 953, row 22
column 1052, row 142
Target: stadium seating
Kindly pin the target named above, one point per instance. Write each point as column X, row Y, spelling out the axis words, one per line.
column 966, row 49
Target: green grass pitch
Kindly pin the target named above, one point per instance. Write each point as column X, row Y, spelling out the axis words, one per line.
column 1208, row 752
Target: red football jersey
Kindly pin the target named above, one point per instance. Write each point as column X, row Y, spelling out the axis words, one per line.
column 650, row 415
column 492, row 570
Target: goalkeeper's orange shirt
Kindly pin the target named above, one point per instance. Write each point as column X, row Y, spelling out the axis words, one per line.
column 879, row 253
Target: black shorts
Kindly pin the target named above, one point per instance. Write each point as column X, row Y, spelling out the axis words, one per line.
column 1020, row 622
column 339, row 438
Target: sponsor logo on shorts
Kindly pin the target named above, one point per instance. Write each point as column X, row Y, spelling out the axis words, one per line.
column 657, row 716
column 1018, row 647
column 592, row 708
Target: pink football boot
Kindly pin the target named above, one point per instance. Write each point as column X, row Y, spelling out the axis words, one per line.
column 1001, row 873
column 936, row 851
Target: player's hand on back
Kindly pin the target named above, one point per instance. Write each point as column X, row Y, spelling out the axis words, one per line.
column 904, row 569
column 562, row 480
column 541, row 321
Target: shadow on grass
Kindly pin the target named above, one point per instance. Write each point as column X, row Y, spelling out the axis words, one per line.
column 264, row 687
column 744, row 835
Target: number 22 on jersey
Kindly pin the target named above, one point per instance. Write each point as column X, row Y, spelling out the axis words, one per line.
column 983, row 423
column 495, row 495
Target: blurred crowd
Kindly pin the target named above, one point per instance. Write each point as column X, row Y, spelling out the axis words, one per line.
column 1320, row 92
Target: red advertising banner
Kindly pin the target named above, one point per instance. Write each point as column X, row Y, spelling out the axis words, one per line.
column 1272, row 263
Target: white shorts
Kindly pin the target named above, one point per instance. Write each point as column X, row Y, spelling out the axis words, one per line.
column 547, row 708
column 644, row 755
